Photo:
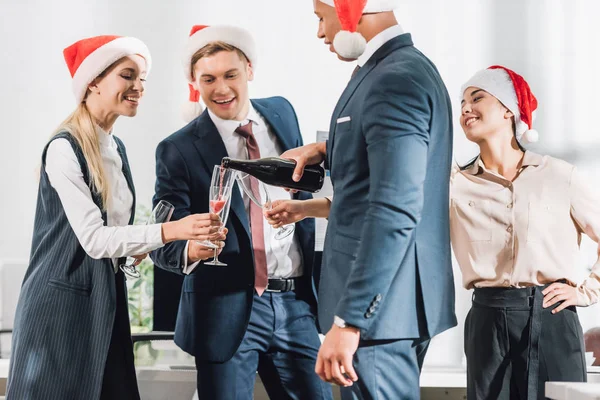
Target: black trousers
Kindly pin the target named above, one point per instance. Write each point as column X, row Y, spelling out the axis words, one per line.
column 513, row 345
column 120, row 382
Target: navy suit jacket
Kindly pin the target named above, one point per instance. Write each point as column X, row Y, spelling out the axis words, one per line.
column 215, row 303
column 387, row 265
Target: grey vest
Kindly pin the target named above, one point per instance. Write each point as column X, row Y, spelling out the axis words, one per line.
column 66, row 309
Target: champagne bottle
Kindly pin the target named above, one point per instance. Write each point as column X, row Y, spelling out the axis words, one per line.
column 278, row 172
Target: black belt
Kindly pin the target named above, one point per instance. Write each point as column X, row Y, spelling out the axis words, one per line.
column 281, row 285
column 530, row 298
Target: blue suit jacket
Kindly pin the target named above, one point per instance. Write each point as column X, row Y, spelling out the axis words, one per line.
column 387, row 264
column 215, row 302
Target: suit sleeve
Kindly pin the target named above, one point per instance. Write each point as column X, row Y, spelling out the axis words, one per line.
column 172, row 185
column 395, row 124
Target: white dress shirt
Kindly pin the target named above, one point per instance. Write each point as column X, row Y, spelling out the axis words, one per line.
column 377, row 41
column 284, row 259
column 117, row 239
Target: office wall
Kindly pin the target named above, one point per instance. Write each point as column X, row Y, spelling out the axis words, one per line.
column 553, row 43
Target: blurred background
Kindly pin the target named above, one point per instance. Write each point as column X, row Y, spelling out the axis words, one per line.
column 552, row 43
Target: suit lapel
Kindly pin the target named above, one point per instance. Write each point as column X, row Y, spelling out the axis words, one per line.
column 275, row 122
column 390, row 46
column 344, row 98
column 212, row 150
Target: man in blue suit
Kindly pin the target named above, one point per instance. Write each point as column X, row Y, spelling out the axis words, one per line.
column 386, row 284
column 227, row 319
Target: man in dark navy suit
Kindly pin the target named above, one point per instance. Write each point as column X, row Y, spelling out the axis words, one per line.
column 258, row 312
column 386, row 285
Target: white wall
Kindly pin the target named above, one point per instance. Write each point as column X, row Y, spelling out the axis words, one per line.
column 553, row 43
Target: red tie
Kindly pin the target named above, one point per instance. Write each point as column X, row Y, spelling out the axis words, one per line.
column 256, row 216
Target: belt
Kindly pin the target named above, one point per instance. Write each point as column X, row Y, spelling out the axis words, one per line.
column 281, row 285
column 528, row 298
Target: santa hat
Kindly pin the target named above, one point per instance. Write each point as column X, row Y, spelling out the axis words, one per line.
column 348, row 43
column 89, row 57
column 202, row 35
column 514, row 92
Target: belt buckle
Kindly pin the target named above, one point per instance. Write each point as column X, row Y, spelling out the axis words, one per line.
column 272, row 290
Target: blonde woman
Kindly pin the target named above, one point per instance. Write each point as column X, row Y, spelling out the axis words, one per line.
column 71, row 337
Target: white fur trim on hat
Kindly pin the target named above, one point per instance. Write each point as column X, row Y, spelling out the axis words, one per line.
column 349, row 45
column 373, row 6
column 529, row 136
column 103, row 57
column 190, row 110
column 233, row 35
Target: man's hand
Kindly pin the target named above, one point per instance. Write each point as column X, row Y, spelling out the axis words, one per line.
column 334, row 361
column 560, row 292
column 285, row 212
column 197, row 252
column 313, row 153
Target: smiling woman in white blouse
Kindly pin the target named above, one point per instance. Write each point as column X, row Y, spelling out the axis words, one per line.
column 516, row 221
column 71, row 338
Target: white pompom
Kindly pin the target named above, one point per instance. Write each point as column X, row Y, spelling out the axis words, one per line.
column 191, row 110
column 531, row 136
column 349, row 45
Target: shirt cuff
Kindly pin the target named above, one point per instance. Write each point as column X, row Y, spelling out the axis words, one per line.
column 187, row 269
column 155, row 235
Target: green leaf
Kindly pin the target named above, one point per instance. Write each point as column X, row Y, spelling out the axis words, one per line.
column 137, row 284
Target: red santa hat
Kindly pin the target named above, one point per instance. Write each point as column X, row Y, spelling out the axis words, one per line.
column 348, row 43
column 512, row 90
column 89, row 57
column 202, row 35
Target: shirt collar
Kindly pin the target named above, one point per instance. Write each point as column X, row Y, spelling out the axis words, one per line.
column 529, row 159
column 105, row 138
column 227, row 127
column 532, row 159
column 377, row 41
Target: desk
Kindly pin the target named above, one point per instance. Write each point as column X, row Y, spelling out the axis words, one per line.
column 572, row 391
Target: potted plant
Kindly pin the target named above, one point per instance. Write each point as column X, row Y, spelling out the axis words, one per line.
column 140, row 296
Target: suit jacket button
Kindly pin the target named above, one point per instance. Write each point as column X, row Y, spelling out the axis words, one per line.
column 371, row 309
column 378, row 298
column 368, row 314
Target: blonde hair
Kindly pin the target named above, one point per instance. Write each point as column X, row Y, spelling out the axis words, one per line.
column 81, row 126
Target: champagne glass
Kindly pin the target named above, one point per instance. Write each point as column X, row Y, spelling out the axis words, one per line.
column 160, row 214
column 258, row 192
column 219, row 202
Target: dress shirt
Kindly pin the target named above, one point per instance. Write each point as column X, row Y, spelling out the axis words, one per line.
column 377, row 41
column 284, row 259
column 117, row 239
column 525, row 232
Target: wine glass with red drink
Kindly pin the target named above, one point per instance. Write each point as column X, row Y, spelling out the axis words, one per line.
column 219, row 202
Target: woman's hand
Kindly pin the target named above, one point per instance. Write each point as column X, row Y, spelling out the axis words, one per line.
column 285, row 212
column 560, row 292
column 139, row 258
column 193, row 227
